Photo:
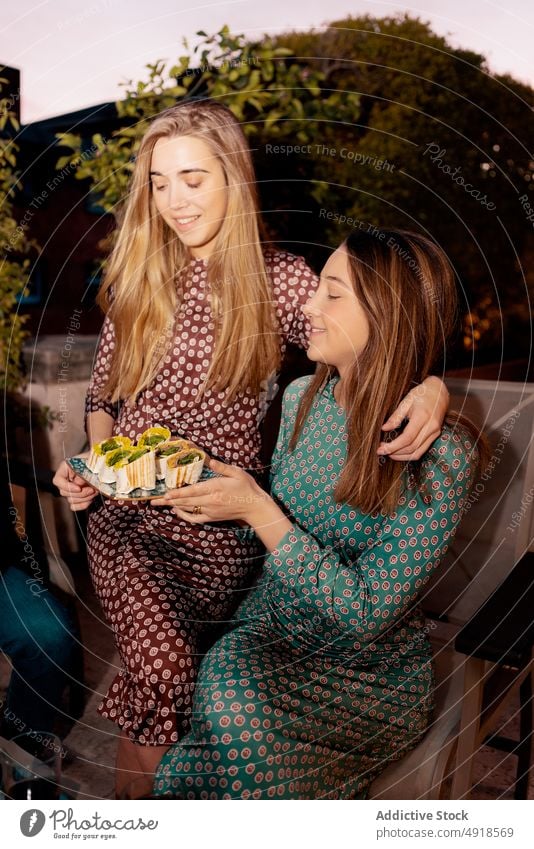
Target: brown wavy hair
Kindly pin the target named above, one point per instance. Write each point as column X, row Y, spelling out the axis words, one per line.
column 140, row 291
column 406, row 287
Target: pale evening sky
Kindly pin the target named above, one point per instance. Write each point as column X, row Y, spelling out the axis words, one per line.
column 74, row 54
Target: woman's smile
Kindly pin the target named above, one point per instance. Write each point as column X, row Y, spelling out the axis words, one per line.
column 185, row 223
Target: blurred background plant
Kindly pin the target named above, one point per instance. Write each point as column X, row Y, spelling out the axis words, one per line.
column 275, row 96
column 18, row 253
column 15, row 262
column 369, row 97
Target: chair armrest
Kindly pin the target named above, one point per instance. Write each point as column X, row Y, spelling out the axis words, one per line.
column 502, row 630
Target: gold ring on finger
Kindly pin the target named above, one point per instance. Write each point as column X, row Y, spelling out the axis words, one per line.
column 197, row 510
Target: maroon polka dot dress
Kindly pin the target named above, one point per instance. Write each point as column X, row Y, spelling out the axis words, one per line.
column 165, row 585
column 328, row 676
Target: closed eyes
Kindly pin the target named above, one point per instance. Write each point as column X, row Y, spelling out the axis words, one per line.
column 189, row 185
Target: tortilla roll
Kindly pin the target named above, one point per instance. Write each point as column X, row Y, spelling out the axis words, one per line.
column 184, row 467
column 97, row 458
column 137, row 471
column 153, row 437
column 108, row 473
column 165, row 450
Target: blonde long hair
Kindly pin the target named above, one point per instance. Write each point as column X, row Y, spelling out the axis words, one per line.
column 140, row 291
column 405, row 285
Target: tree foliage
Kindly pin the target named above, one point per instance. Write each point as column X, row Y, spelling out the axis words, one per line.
column 457, row 140
column 14, row 264
column 273, row 96
column 370, row 121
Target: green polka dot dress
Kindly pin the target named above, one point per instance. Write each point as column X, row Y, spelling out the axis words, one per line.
column 326, row 676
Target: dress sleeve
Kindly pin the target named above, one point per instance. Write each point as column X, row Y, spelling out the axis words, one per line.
column 293, row 284
column 290, row 403
column 370, row 594
column 101, row 367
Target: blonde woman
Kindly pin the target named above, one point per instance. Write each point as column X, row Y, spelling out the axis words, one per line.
column 327, row 675
column 198, row 315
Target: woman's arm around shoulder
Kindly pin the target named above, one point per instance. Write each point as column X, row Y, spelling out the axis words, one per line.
column 293, row 282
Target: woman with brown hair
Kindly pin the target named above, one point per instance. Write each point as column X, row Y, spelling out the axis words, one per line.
column 328, row 675
column 198, row 315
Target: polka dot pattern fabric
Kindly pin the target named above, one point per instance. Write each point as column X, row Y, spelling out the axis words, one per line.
column 328, row 675
column 166, row 586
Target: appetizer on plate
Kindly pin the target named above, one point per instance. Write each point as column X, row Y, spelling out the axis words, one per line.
column 158, row 461
column 112, row 460
column 152, row 437
column 184, row 467
column 97, row 458
column 136, row 470
column 165, row 450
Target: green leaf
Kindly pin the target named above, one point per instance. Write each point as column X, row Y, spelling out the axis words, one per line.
column 69, row 140
column 62, row 161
